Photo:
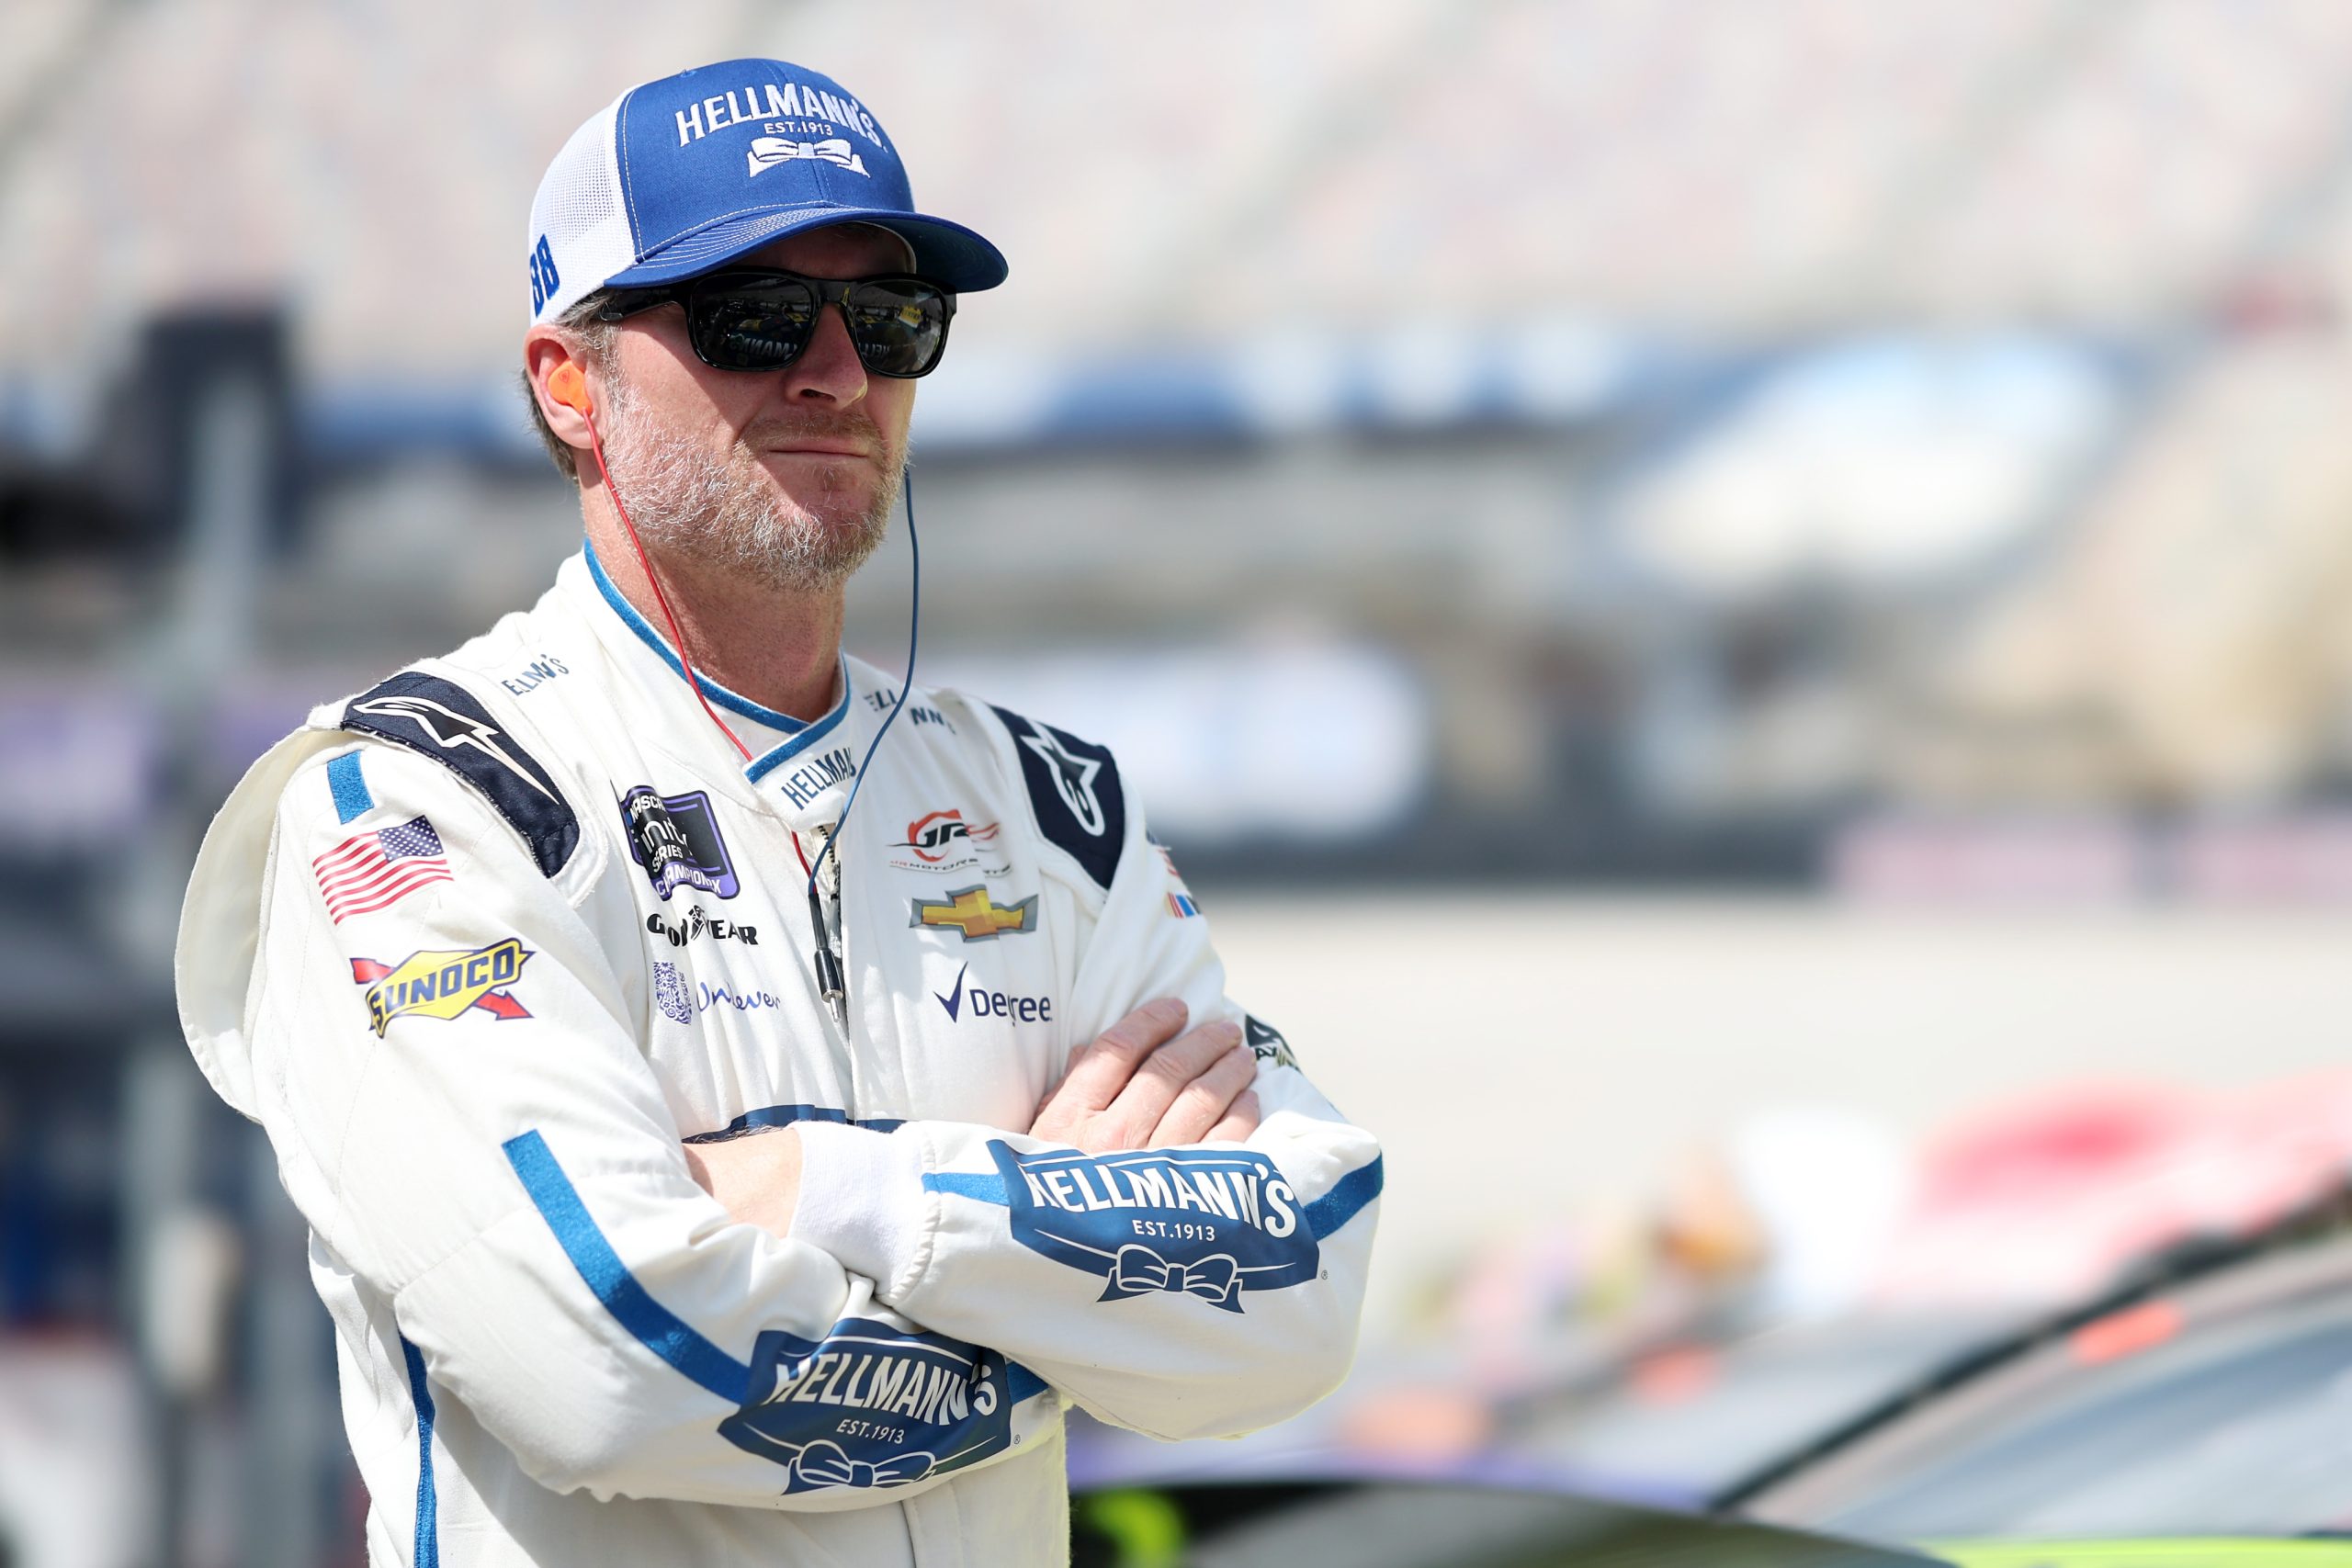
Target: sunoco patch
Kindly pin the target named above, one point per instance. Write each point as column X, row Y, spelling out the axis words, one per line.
column 443, row 983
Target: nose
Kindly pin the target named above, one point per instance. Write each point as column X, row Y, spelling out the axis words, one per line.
column 828, row 371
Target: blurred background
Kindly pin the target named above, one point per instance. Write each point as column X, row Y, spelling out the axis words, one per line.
column 1741, row 614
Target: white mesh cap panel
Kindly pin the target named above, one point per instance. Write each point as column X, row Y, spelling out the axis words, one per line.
column 579, row 215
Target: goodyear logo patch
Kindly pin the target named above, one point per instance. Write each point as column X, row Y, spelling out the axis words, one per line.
column 443, row 983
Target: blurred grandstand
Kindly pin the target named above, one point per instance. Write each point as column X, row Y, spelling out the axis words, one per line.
column 1685, row 420
column 1891, row 443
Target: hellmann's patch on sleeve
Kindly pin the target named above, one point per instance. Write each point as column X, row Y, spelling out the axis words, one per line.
column 442, row 720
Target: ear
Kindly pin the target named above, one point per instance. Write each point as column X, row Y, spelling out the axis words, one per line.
column 561, row 385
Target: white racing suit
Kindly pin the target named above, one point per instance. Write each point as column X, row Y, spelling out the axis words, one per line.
column 480, row 947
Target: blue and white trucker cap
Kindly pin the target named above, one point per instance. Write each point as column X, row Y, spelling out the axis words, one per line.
column 684, row 175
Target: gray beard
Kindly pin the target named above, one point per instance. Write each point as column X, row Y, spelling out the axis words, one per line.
column 726, row 513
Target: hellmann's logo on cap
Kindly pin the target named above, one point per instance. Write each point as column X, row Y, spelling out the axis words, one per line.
column 768, row 101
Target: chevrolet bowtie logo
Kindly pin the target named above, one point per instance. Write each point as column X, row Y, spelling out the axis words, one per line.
column 970, row 912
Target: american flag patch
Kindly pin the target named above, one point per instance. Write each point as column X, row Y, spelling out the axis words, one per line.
column 368, row 871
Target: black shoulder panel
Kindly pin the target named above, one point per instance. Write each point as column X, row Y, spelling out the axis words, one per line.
column 447, row 723
column 1074, row 788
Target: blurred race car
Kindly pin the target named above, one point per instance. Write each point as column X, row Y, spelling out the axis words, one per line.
column 2128, row 1234
column 1791, row 1308
column 2204, row 1420
column 1400, row 1524
column 2200, row 1417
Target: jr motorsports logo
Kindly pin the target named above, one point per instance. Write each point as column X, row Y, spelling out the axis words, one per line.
column 943, row 842
column 443, row 984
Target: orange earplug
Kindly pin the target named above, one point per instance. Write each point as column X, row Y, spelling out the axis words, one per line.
column 567, row 387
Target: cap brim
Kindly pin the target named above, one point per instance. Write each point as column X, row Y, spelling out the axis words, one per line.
column 947, row 253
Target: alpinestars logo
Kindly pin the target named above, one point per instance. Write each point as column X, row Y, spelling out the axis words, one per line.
column 767, row 152
column 1073, row 777
column 449, row 729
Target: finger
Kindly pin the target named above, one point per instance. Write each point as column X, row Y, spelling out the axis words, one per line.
column 1202, row 1103
column 1162, row 1075
column 1100, row 1071
column 1240, row 1120
column 1206, row 1100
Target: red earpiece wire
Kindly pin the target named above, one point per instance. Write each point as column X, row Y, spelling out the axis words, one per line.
column 577, row 401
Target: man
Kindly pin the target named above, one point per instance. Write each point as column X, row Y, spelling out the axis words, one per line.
column 701, row 1172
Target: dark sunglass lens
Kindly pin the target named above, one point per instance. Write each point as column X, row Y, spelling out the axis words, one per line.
column 758, row 325
column 897, row 325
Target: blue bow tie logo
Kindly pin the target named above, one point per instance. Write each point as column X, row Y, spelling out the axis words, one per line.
column 1139, row 1270
column 822, row 1463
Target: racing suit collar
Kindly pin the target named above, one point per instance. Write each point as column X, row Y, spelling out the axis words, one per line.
column 795, row 765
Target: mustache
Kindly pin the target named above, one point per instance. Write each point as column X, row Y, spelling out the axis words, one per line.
column 852, row 425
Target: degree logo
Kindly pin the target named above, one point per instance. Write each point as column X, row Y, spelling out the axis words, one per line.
column 986, row 1003
column 443, row 984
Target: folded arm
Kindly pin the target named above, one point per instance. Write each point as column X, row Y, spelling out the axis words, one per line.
column 471, row 1128
column 1203, row 1285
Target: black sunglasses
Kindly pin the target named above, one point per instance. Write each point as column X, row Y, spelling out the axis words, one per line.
column 753, row 318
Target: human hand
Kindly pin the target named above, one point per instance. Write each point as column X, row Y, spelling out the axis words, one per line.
column 1143, row 1086
column 755, row 1176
